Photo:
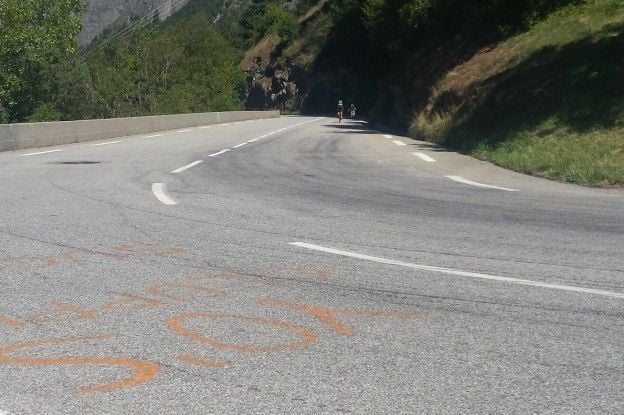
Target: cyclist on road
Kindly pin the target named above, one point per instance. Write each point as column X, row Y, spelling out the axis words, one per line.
column 352, row 110
column 340, row 109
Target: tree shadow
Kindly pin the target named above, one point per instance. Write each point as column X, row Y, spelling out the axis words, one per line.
column 578, row 86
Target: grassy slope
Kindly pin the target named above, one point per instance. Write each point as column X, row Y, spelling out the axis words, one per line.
column 548, row 102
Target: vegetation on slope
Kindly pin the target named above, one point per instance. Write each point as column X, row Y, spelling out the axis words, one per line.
column 548, row 102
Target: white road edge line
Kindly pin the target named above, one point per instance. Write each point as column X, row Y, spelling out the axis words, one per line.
column 105, row 144
column 219, row 153
column 153, row 135
column 39, row 152
column 425, row 157
column 184, row 131
column 459, row 273
column 203, row 127
column 399, row 143
column 158, row 189
column 188, row 166
column 388, row 136
column 460, row 179
column 240, row 145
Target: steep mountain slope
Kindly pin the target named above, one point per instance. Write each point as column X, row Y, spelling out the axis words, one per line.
column 100, row 14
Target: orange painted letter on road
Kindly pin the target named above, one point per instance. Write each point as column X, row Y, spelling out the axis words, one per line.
column 307, row 336
column 144, row 371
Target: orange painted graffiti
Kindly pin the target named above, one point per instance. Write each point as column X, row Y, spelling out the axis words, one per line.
column 143, row 371
column 61, row 312
column 322, row 314
column 158, row 290
column 308, row 337
column 12, row 323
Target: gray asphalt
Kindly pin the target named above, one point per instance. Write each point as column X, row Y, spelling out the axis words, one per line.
column 114, row 302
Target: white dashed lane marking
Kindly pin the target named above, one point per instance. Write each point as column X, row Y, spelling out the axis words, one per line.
column 460, row 179
column 425, row 157
column 159, row 189
column 219, row 153
column 107, row 143
column 188, row 166
column 39, row 152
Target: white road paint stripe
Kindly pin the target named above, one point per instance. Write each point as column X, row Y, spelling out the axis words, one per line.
column 254, row 140
column 184, row 131
column 158, row 189
column 460, row 179
column 39, row 152
column 227, row 123
column 107, row 143
column 425, row 157
column 188, row 166
column 388, row 136
column 153, row 135
column 399, row 143
column 205, row 126
column 459, row 273
column 240, row 145
column 219, row 153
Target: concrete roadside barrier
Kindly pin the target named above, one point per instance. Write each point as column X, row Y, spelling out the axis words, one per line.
column 44, row 134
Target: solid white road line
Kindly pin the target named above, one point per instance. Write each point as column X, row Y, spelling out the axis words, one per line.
column 184, row 131
column 107, row 143
column 203, row 127
column 425, row 157
column 219, row 153
column 399, row 143
column 188, row 166
column 40, row 152
column 460, row 179
column 459, row 273
column 388, row 136
column 240, row 145
column 153, row 135
column 158, row 189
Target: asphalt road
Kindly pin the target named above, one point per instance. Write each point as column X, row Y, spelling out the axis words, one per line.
column 311, row 268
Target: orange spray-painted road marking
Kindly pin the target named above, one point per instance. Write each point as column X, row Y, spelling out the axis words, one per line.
column 50, row 262
column 12, row 323
column 308, row 337
column 144, row 371
column 70, row 256
column 198, row 361
column 132, row 301
column 324, row 315
column 227, row 276
column 157, row 290
column 61, row 312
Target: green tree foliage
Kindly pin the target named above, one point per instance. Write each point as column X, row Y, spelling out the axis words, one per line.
column 187, row 67
column 32, row 34
column 264, row 17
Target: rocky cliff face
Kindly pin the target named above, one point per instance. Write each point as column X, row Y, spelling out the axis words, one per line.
column 100, row 14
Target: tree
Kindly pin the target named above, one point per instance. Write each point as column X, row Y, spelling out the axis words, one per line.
column 32, row 33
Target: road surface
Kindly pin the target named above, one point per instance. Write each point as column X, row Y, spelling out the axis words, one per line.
column 298, row 265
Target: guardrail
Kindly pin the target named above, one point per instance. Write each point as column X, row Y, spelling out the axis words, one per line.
column 44, row 134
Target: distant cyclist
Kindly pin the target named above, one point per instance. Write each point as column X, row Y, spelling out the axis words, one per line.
column 340, row 110
column 352, row 110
